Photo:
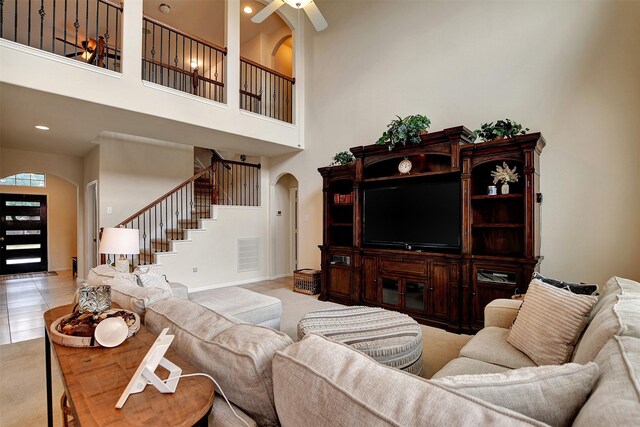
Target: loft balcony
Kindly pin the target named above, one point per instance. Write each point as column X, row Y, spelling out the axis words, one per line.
column 180, row 62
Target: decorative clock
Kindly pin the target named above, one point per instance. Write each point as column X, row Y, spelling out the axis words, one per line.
column 404, row 167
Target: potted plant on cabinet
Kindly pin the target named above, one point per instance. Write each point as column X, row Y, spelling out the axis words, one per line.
column 506, row 128
column 403, row 131
column 342, row 158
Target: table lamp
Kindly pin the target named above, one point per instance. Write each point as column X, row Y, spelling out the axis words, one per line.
column 123, row 241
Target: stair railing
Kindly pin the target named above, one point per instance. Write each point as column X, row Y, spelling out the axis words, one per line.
column 165, row 218
column 87, row 31
column 236, row 183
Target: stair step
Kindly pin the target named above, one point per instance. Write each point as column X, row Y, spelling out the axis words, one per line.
column 161, row 245
column 146, row 257
column 188, row 223
column 175, row 233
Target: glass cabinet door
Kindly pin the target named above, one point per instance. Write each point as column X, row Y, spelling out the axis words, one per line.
column 390, row 291
column 414, row 295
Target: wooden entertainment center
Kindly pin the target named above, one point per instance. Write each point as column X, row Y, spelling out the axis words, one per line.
column 499, row 236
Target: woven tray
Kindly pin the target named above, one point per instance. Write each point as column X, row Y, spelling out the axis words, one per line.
column 73, row 341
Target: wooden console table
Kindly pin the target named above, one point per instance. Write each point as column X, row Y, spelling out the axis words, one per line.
column 94, row 379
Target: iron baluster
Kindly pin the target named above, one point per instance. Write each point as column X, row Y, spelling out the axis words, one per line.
column 28, row 23
column 53, row 28
column 42, row 14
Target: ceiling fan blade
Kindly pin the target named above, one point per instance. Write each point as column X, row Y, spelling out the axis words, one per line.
column 268, row 10
column 74, row 54
column 315, row 16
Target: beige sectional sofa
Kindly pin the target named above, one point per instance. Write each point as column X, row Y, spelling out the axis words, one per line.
column 317, row 382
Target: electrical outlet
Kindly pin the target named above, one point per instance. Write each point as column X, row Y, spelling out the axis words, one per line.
column 109, row 210
column 195, row 270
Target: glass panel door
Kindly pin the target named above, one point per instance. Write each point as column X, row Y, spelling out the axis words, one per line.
column 390, row 291
column 23, row 233
column 414, row 295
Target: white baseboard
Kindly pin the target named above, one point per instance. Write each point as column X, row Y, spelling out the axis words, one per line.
column 224, row 285
column 280, row 276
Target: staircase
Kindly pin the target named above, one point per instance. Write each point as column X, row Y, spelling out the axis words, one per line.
column 167, row 219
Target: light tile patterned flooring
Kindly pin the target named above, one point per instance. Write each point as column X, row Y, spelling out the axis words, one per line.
column 23, row 301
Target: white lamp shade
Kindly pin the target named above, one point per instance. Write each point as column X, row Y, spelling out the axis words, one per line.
column 122, row 241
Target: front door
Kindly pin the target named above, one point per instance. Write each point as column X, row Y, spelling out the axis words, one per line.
column 23, row 233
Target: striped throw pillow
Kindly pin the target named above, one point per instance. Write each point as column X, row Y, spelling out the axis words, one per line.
column 549, row 323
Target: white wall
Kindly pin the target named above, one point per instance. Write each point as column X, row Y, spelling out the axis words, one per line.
column 133, row 174
column 567, row 69
column 213, row 249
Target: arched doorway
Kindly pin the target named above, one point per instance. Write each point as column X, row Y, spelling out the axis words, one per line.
column 285, row 225
column 59, row 228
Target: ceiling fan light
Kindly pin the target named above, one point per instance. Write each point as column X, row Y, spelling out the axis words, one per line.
column 247, row 9
column 164, row 8
column 298, row 4
column 194, row 65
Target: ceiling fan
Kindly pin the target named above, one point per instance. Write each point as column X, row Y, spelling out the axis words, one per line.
column 90, row 50
column 309, row 7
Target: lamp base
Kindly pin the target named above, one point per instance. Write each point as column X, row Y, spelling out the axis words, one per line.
column 122, row 265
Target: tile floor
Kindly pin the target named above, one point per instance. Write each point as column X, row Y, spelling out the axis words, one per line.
column 23, row 301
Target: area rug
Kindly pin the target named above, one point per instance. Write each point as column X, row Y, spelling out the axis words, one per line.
column 4, row 277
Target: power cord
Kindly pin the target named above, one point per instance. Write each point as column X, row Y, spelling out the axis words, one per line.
column 219, row 388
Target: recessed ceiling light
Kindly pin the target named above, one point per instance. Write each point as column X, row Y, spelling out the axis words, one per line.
column 194, row 64
column 42, row 127
column 164, row 8
column 247, row 9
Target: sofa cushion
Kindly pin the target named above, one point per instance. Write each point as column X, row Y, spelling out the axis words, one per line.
column 576, row 288
column 100, row 274
column 530, row 390
column 621, row 317
column 222, row 416
column 464, row 365
column 179, row 290
column 615, row 399
column 490, row 345
column 236, row 354
column 319, row 382
column 615, row 286
column 252, row 307
column 501, row 312
column 133, row 297
column 549, row 323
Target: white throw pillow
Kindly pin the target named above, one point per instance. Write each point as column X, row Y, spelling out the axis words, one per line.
column 149, row 277
column 549, row 323
column 552, row 394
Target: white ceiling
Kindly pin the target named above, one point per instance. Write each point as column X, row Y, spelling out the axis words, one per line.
column 75, row 125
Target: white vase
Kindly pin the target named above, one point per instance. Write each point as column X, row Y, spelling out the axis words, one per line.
column 505, row 188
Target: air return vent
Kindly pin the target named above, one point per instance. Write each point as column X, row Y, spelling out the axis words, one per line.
column 248, row 254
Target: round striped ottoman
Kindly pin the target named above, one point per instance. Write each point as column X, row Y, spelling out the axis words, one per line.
column 391, row 338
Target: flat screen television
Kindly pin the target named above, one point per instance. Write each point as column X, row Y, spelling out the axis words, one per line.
column 423, row 214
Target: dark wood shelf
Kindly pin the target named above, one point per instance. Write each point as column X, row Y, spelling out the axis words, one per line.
column 341, row 205
column 497, row 225
column 409, row 175
column 341, row 224
column 497, row 196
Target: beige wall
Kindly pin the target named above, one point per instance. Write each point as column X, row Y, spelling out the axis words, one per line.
column 61, row 219
column 567, row 69
column 59, row 169
column 133, row 174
